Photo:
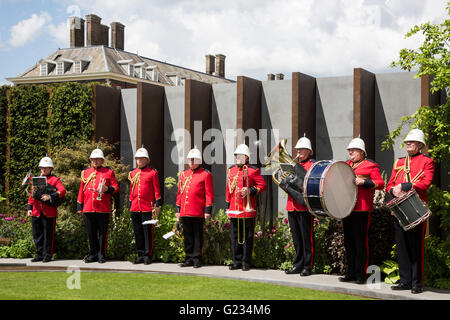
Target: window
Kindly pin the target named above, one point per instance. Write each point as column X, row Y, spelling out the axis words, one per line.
column 131, row 70
column 143, row 73
column 59, row 68
column 77, row 68
column 44, row 69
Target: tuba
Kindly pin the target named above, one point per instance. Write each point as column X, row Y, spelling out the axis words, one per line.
column 288, row 174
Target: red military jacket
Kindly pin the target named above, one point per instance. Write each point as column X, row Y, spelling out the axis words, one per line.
column 195, row 193
column 421, row 170
column 369, row 171
column 144, row 190
column 87, row 196
column 237, row 179
column 293, row 205
column 38, row 206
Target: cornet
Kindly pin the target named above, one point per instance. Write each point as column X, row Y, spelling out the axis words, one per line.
column 99, row 189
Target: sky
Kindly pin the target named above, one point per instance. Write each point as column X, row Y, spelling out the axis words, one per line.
column 322, row 38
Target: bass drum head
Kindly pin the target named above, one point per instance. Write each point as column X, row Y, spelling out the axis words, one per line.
column 338, row 190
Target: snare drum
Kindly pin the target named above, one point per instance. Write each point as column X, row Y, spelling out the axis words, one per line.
column 409, row 210
column 329, row 189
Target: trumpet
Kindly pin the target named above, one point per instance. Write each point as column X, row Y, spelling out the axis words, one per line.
column 27, row 181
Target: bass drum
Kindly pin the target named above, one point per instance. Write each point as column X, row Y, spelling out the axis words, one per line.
column 329, row 189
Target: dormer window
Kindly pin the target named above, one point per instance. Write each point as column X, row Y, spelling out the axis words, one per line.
column 141, row 71
column 80, row 65
column 174, row 78
column 46, row 67
column 131, row 70
column 153, row 72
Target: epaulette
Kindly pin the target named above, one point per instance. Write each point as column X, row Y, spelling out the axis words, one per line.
column 234, row 165
column 253, row 166
column 107, row 167
column 370, row 160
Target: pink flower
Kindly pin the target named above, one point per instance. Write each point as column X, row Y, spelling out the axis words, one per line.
column 286, row 221
column 9, row 218
column 259, row 234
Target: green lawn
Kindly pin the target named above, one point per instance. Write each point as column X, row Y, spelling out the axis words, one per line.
column 142, row 286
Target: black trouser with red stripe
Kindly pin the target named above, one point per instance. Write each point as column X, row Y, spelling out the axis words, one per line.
column 410, row 251
column 43, row 235
column 356, row 243
column 193, row 238
column 302, row 230
column 143, row 234
column 96, row 224
column 242, row 252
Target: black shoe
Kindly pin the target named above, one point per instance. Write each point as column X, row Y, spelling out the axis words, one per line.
column 416, row 290
column 90, row 259
column 188, row 263
column 139, row 260
column 37, row 259
column 47, row 259
column 305, row 273
column 346, row 279
column 235, row 267
column 401, row 286
column 360, row 281
column 147, row 260
column 197, row 264
column 101, row 260
column 245, row 268
column 293, row 271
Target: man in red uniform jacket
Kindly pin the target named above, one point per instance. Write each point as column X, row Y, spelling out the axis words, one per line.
column 243, row 181
column 145, row 198
column 356, row 225
column 301, row 220
column 94, row 202
column 194, row 204
column 413, row 171
column 43, row 212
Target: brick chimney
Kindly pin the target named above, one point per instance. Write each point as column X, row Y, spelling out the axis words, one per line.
column 76, row 32
column 280, row 76
column 96, row 33
column 117, row 35
column 210, row 64
column 270, row 76
column 220, row 65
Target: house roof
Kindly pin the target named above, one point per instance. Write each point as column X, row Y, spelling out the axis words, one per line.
column 105, row 62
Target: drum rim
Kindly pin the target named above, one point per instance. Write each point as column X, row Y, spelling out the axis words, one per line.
column 418, row 221
column 305, row 190
column 324, row 207
column 399, row 200
column 355, row 198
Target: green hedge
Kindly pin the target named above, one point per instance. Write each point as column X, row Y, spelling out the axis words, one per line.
column 3, row 108
column 28, row 137
column 42, row 119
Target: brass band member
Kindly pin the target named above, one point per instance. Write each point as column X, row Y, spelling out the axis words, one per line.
column 301, row 220
column 194, row 204
column 356, row 225
column 145, row 198
column 244, row 181
column 43, row 212
column 413, row 171
column 94, row 202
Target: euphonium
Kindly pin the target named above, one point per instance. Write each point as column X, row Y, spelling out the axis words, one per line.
column 275, row 157
column 290, row 178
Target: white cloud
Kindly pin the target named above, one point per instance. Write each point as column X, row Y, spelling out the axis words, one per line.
column 60, row 33
column 28, row 29
column 318, row 37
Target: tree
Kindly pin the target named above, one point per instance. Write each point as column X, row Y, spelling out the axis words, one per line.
column 430, row 59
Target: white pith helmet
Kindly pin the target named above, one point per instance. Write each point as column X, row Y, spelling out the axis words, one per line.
column 304, row 143
column 97, row 154
column 195, row 154
column 357, row 143
column 242, row 149
column 415, row 135
column 141, row 153
column 46, row 162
